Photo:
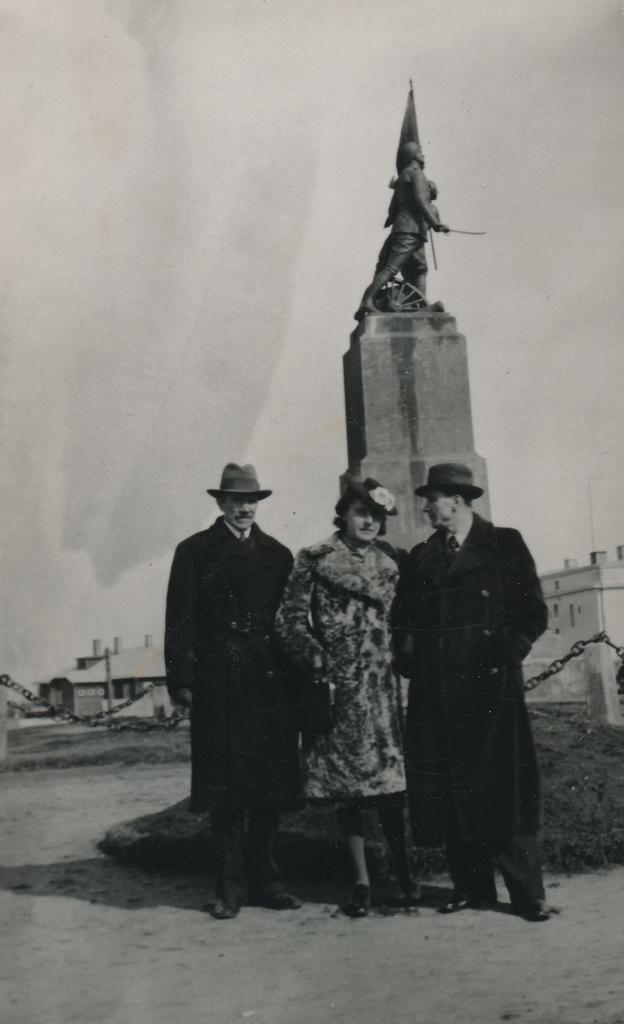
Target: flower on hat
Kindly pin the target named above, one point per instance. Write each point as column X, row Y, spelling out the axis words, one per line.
column 382, row 496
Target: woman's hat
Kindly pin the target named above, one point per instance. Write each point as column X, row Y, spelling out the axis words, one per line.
column 377, row 497
column 450, row 476
column 239, row 480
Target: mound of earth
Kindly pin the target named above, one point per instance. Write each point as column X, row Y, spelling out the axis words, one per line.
column 582, row 768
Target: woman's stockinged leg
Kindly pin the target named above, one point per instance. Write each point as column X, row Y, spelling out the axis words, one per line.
column 352, row 827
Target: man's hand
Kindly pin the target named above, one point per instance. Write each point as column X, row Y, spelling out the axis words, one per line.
column 441, row 227
column 184, row 698
column 404, row 656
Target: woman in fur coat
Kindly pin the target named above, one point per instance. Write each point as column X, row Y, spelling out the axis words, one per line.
column 334, row 620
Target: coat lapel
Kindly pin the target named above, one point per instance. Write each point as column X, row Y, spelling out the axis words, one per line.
column 477, row 549
column 431, row 560
column 245, row 558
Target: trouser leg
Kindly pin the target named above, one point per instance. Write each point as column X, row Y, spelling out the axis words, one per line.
column 392, row 820
column 519, row 860
column 264, row 874
column 471, row 866
column 367, row 303
column 227, row 838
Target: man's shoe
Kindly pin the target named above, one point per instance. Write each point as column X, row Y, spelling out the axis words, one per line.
column 535, row 912
column 278, row 901
column 224, row 910
column 457, row 903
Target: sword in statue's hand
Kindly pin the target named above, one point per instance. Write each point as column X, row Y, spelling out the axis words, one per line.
column 448, row 231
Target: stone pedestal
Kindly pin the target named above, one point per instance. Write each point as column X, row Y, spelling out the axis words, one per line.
column 3, row 723
column 603, row 700
column 407, row 402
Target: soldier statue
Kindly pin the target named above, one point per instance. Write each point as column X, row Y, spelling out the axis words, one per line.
column 411, row 215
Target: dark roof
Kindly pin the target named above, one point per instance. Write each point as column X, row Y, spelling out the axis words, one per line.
column 133, row 663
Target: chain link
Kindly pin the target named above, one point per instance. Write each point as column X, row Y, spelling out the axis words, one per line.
column 101, row 718
column 105, row 720
column 575, row 652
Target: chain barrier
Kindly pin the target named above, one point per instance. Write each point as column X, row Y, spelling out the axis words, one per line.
column 575, row 651
column 103, row 719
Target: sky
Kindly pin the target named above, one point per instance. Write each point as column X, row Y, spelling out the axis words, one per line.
column 192, row 201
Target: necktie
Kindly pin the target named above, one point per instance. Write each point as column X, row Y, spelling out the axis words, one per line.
column 451, row 546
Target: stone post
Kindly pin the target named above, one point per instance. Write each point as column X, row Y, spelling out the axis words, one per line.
column 3, row 722
column 407, row 398
column 603, row 701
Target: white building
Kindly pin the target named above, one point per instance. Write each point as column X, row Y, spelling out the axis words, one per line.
column 584, row 600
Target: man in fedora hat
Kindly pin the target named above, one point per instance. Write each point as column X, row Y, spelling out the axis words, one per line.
column 225, row 587
column 468, row 610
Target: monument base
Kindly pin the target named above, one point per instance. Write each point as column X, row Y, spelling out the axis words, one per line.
column 407, row 399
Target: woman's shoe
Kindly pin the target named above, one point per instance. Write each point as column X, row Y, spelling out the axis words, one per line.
column 358, row 903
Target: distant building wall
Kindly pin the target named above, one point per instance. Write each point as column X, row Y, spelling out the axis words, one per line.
column 586, row 600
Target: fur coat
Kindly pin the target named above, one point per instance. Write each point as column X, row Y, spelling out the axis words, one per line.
column 336, row 606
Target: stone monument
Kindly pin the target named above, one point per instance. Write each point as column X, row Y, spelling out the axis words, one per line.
column 407, row 392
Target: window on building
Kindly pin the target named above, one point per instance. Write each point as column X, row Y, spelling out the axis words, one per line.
column 557, row 631
column 556, row 610
column 556, row 584
column 578, row 609
column 118, row 689
column 572, row 615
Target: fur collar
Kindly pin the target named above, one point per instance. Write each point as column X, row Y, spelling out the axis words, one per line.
column 339, row 567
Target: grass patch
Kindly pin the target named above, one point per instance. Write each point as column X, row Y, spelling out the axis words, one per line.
column 71, row 746
column 582, row 769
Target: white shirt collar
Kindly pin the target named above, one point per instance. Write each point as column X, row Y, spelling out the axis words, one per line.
column 461, row 537
column 236, row 533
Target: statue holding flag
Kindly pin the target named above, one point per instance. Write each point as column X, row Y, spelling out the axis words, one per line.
column 411, row 216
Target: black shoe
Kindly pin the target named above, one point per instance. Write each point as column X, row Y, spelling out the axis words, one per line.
column 358, row 903
column 225, row 910
column 536, row 912
column 457, row 903
column 277, row 901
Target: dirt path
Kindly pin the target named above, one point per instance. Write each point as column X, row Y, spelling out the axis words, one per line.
column 88, row 941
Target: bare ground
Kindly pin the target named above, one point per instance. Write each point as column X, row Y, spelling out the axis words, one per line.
column 89, row 940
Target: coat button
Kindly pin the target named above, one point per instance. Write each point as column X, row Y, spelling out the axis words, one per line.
column 494, row 671
column 485, row 593
column 233, row 625
column 487, row 632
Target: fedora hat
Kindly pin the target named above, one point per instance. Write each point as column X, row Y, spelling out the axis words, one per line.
column 452, row 477
column 374, row 494
column 239, row 480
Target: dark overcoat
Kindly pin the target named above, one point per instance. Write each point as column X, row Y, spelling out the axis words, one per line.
column 221, row 603
column 468, row 735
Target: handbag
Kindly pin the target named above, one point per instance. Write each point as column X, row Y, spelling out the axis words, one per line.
column 318, row 706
